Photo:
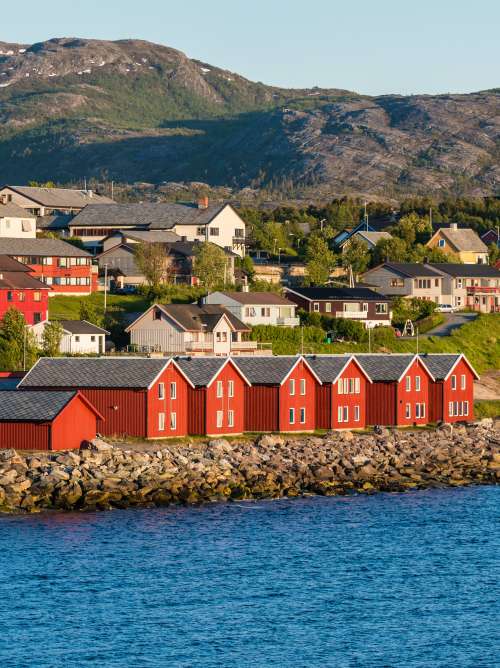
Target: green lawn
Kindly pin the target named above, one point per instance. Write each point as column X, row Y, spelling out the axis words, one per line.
column 487, row 409
column 62, row 307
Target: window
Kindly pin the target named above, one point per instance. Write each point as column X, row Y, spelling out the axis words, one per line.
column 161, row 390
column 356, row 413
column 92, row 339
column 291, row 416
column 302, row 386
column 173, row 390
column 345, row 413
column 21, row 296
column 461, row 408
column 459, row 282
column 408, row 383
column 441, row 243
column 220, row 418
column 157, row 314
column 328, row 307
column 346, row 385
column 37, row 317
column 200, row 231
column 316, row 307
column 351, row 385
column 173, row 421
column 46, row 260
column 239, row 232
column 417, row 383
column 339, row 414
column 161, row 421
column 463, row 382
column 408, row 412
column 357, row 386
column 265, row 312
column 450, row 409
column 302, row 416
column 436, row 282
column 10, row 296
column 419, row 410
column 230, row 418
column 423, row 283
column 220, row 389
column 341, row 386
column 453, row 382
column 381, row 308
column 397, row 283
column 365, row 308
column 230, row 388
column 455, row 408
column 351, row 307
column 221, row 337
column 292, row 387
column 466, row 408
column 214, row 231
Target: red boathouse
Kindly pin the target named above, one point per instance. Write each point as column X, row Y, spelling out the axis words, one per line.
column 281, row 395
column 46, row 420
column 451, row 393
column 140, row 397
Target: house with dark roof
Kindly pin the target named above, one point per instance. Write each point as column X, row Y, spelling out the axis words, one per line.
column 79, row 337
column 257, row 308
column 473, row 286
column 369, row 238
column 362, row 304
column 44, row 420
column 136, row 396
column 41, row 201
column 451, row 394
column 16, row 221
column 190, row 329
column 62, row 266
column 201, row 221
column 462, row 243
column 407, row 279
column 21, row 291
column 491, row 237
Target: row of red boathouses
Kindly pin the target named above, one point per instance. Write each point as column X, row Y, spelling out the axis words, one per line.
column 160, row 398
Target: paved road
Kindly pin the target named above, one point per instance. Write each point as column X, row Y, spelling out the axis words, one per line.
column 453, row 320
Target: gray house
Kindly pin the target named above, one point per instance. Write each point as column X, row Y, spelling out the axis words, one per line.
column 406, row 279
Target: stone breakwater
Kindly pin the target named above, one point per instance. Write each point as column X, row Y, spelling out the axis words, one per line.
column 104, row 476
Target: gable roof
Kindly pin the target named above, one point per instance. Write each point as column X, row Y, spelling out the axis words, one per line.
column 34, row 406
column 442, row 364
column 194, row 318
column 81, row 327
column 462, row 239
column 151, row 236
column 40, row 247
column 372, row 237
column 330, row 367
column 15, row 275
column 60, row 197
column 340, row 294
column 146, row 216
column 271, row 370
column 409, row 269
column 381, row 367
column 257, row 298
column 467, row 270
column 98, row 372
column 202, row 371
column 12, row 210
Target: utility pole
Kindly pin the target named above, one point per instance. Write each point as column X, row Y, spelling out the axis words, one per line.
column 24, row 347
column 85, row 183
column 105, row 286
column 369, row 340
column 302, row 339
column 417, row 340
column 430, row 217
column 366, row 218
column 112, row 190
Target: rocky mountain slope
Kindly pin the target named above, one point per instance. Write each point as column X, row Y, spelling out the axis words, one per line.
column 135, row 111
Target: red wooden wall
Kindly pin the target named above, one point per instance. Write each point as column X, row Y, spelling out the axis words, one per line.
column 351, row 400
column 25, row 435
column 298, row 401
column 74, row 425
column 381, row 403
column 124, row 410
column 261, row 408
column 226, row 403
column 324, row 406
column 196, row 409
column 412, row 397
column 459, row 395
column 436, row 401
column 167, row 405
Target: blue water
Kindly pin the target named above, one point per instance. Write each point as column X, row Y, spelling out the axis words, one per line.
column 382, row 581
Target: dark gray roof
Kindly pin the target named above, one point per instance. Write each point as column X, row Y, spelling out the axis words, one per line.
column 81, row 327
column 9, row 383
column 340, row 294
column 258, row 298
column 327, row 367
column 200, row 370
column 119, row 372
column 192, row 317
column 146, row 216
column 412, row 269
column 40, row 247
column 265, row 370
column 467, row 270
column 55, row 222
column 151, row 236
column 11, row 210
column 32, row 406
column 60, row 197
column 384, row 367
column 439, row 365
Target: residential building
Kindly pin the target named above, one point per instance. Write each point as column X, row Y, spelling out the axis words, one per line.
column 215, row 395
column 136, row 396
column 462, row 243
column 407, row 279
column 257, row 308
column 19, row 290
column 190, row 329
column 371, row 224
column 367, row 306
column 133, row 237
column 62, row 266
column 79, row 337
column 16, row 222
column 369, row 238
column 202, row 221
column 46, row 420
column 472, row 286
column 491, row 237
column 451, row 394
column 41, row 201
column 281, row 395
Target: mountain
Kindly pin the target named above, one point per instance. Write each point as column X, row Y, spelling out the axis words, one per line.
column 132, row 111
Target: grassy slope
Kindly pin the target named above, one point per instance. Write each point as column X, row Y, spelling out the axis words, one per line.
column 68, row 307
column 487, row 409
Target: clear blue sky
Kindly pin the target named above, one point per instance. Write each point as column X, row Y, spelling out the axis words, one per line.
column 371, row 46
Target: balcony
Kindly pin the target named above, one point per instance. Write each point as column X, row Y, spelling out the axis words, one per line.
column 244, row 345
column 199, row 346
column 483, row 289
column 356, row 315
column 288, row 322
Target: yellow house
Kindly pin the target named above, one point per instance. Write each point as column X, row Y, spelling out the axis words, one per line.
column 464, row 244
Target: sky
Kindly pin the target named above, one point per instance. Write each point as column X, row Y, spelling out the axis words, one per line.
column 372, row 47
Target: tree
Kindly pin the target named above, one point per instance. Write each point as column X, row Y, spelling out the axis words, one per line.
column 51, row 338
column 494, row 253
column 413, row 226
column 356, row 256
column 319, row 260
column 151, row 260
column 390, row 250
column 88, row 312
column 210, row 265
column 18, row 349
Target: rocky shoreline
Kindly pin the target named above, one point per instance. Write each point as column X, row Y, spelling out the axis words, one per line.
column 105, row 476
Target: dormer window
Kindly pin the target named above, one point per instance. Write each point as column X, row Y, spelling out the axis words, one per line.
column 441, row 243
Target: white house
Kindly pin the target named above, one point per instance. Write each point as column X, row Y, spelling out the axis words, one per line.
column 16, row 222
column 41, row 201
column 79, row 337
column 257, row 308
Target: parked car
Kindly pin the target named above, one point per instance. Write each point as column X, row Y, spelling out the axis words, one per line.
column 446, row 308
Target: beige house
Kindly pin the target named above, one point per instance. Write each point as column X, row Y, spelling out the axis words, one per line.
column 257, row 308
column 370, row 239
column 407, row 279
column 464, row 244
column 48, row 201
column 472, row 286
column 16, row 222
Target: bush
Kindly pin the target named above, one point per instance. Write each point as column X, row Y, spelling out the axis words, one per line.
column 350, row 330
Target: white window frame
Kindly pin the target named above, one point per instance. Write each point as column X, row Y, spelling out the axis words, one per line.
column 352, row 386
column 220, row 419
column 345, row 412
column 408, row 412
column 408, row 383
column 161, row 391
column 328, row 307
column 291, row 415
column 230, row 418
column 220, row 390
column 417, row 411
column 339, row 414
column 357, row 413
column 466, row 408
column 417, row 383
column 346, row 385
column 463, row 382
column 357, row 386
column 230, row 388
column 161, row 421
column 173, row 390
column 450, row 409
column 453, row 382
column 291, row 387
column 302, row 386
column 302, row 415
column 340, row 386
column 173, row 421
column 316, row 307
column 455, row 408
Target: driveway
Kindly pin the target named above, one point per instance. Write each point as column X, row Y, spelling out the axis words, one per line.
column 453, row 321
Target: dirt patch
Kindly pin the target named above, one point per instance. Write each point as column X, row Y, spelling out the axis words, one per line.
column 488, row 388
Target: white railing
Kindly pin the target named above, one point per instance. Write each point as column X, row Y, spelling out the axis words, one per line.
column 351, row 314
column 244, row 345
column 199, row 346
column 288, row 322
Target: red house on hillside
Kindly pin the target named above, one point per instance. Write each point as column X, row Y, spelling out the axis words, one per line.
column 145, row 398
column 65, row 268
column 46, row 420
column 281, row 395
column 19, row 290
column 341, row 397
column 399, row 392
column 451, row 393
column 215, row 396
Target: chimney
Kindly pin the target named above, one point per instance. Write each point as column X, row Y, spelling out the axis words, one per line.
column 203, row 202
column 453, row 226
column 245, row 287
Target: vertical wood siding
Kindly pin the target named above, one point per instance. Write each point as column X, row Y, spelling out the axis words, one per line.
column 25, row 435
column 436, row 401
column 167, row 405
column 262, row 408
column 350, row 401
column 412, row 397
column 324, row 406
column 298, row 401
column 74, row 425
column 225, row 403
column 196, row 410
column 381, row 403
column 459, row 395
